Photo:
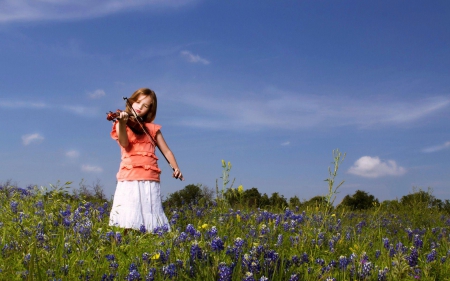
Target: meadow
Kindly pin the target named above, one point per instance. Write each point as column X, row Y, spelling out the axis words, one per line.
column 49, row 234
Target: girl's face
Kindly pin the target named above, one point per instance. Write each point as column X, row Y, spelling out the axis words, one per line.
column 142, row 105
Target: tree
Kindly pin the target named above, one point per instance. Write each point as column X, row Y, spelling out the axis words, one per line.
column 252, row 197
column 277, row 201
column 421, row 198
column 361, row 200
column 190, row 194
column 294, row 202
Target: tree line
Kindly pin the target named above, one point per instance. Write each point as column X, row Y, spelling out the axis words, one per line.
column 252, row 198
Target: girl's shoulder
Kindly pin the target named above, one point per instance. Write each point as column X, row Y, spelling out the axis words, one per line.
column 153, row 128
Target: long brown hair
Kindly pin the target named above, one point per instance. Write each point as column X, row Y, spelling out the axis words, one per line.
column 151, row 114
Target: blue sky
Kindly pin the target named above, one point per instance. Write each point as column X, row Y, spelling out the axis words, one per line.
column 271, row 86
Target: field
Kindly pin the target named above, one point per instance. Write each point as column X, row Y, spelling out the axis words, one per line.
column 51, row 235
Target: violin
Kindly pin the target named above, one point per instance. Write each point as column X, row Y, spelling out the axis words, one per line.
column 132, row 122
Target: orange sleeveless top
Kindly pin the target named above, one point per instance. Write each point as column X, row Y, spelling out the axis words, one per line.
column 139, row 161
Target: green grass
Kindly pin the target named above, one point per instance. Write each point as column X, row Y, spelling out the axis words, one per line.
column 49, row 235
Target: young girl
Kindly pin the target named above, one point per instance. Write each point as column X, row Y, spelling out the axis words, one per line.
column 137, row 200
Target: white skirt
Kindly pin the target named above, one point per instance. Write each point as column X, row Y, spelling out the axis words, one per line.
column 138, row 203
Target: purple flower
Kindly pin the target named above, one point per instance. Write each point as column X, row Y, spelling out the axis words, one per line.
column 142, row 229
column 196, row 252
column 217, row 244
column 413, row 258
column 432, row 256
column 225, row 272
column 13, row 206
column 170, row 270
column 248, row 277
column 151, row 274
column 294, row 277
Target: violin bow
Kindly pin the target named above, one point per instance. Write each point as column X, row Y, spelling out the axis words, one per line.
column 138, row 119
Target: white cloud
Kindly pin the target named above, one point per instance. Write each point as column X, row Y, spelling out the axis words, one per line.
column 373, row 167
column 17, row 104
column 91, row 168
column 193, row 58
column 97, row 94
column 272, row 108
column 73, row 154
column 32, row 138
column 77, row 109
column 286, row 143
column 436, row 147
column 31, row 10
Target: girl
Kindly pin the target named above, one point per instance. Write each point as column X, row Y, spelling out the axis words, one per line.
column 137, row 200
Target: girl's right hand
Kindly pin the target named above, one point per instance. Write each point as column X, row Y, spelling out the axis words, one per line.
column 123, row 117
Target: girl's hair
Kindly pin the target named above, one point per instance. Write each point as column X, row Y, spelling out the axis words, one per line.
column 151, row 114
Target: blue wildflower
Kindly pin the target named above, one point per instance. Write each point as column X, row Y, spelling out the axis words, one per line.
column 225, row 272
column 217, row 244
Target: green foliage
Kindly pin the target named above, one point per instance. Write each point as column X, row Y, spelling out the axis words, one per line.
column 190, row 194
column 361, row 200
column 48, row 234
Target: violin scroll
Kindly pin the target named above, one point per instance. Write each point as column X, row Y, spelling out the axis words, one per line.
column 132, row 123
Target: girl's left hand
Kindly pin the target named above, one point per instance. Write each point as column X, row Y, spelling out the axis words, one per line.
column 177, row 174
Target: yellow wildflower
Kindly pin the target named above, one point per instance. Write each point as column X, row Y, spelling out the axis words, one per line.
column 204, row 225
column 156, row 256
column 238, row 217
column 240, row 189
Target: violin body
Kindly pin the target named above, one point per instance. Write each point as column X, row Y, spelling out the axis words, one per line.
column 132, row 123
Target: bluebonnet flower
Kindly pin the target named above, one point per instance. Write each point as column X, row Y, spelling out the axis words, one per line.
column 212, row 232
column 225, row 272
column 432, row 256
column 366, row 269
column 320, row 261
column 343, row 262
column 190, row 229
column 133, row 273
column 239, row 242
column 386, row 243
column 217, row 244
column 377, row 254
column 142, row 229
column 248, row 277
column 174, row 218
column 65, row 269
column 348, row 236
column 196, row 252
column 146, row 257
column 106, row 277
column 418, row 243
column 263, row 278
column 382, row 274
column 443, row 259
column 279, row 240
column 118, row 237
column 151, row 274
column 13, row 205
column 170, row 270
column 27, row 259
column 110, row 257
column 294, row 277
column 183, row 237
column 413, row 258
column 305, row 258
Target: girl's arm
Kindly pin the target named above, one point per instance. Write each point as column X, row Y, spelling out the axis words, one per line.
column 161, row 143
column 121, row 128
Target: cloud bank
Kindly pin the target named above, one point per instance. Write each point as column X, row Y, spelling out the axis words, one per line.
column 32, row 10
column 373, row 167
column 276, row 109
